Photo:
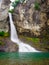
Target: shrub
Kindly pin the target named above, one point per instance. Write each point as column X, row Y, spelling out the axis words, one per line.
column 37, row 6
column 4, row 34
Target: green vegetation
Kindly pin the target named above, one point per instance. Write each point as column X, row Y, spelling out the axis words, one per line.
column 14, row 4
column 4, row 34
column 2, row 43
column 11, row 11
column 34, row 40
column 37, row 6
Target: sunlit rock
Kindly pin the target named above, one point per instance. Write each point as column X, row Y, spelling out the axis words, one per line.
column 4, row 7
column 28, row 19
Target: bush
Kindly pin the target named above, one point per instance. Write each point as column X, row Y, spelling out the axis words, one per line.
column 4, row 34
column 11, row 11
column 37, row 6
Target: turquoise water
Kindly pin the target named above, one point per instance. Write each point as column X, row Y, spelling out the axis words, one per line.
column 24, row 58
column 4, row 55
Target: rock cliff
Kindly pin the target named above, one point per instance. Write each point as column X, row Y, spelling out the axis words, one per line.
column 28, row 20
column 4, row 7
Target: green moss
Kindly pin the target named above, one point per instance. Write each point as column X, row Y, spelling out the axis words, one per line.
column 34, row 40
column 11, row 11
column 14, row 4
column 16, row 0
column 4, row 34
column 2, row 43
column 37, row 6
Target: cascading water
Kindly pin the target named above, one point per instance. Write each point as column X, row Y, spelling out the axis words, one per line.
column 23, row 47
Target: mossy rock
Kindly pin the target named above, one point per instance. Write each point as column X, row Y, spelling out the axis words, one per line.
column 34, row 40
column 2, row 43
column 11, row 11
column 4, row 34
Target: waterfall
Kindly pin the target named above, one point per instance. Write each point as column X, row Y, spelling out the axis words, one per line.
column 23, row 47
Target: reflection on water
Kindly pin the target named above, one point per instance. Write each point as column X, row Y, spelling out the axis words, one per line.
column 24, row 58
